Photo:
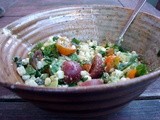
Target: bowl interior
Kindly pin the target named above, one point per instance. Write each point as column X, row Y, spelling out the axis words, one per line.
column 96, row 22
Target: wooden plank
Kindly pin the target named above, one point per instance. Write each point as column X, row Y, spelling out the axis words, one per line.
column 6, row 95
column 136, row 110
column 146, row 8
column 153, row 91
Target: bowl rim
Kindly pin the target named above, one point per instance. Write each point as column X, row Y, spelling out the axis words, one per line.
column 110, row 86
column 84, row 89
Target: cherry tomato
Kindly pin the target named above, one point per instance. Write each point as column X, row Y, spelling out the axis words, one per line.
column 111, row 62
column 86, row 67
column 72, row 71
column 131, row 73
column 65, row 47
column 97, row 67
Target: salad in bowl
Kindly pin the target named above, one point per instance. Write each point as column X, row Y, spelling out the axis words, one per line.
column 64, row 62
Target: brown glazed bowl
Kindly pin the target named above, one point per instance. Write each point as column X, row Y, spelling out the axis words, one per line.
column 97, row 22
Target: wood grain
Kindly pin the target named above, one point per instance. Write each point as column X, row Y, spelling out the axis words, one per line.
column 136, row 110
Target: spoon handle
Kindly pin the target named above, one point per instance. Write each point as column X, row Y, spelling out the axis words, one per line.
column 135, row 12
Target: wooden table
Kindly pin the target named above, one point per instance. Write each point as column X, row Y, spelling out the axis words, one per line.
column 146, row 107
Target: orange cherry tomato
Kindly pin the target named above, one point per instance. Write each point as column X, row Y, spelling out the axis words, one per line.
column 111, row 62
column 65, row 49
column 86, row 67
column 131, row 73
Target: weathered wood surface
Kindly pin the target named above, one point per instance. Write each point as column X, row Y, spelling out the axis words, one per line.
column 18, row 8
column 136, row 110
column 147, row 106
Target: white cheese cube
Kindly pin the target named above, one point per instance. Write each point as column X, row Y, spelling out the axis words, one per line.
column 31, row 82
column 40, row 64
column 47, row 81
column 26, row 77
column 25, row 61
column 117, row 73
column 124, row 79
column 21, row 70
column 60, row 74
column 88, row 77
column 84, row 73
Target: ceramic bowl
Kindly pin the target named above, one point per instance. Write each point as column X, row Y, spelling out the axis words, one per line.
column 97, row 22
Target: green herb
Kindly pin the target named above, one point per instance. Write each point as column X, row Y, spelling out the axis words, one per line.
column 44, row 76
column 37, row 47
column 55, row 66
column 49, row 60
column 44, row 69
column 120, row 48
column 94, row 47
column 18, row 61
column 77, row 51
column 83, row 79
column 72, row 84
column 61, row 82
column 55, row 38
column 103, row 53
column 123, row 66
column 158, row 54
column 107, row 45
column 31, row 54
column 75, row 41
column 30, row 70
column 16, row 58
column 38, row 73
column 39, row 81
column 51, row 51
column 105, row 77
column 141, row 70
column 74, row 57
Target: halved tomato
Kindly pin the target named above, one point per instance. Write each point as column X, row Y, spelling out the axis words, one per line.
column 111, row 62
column 65, row 47
column 86, row 67
column 131, row 73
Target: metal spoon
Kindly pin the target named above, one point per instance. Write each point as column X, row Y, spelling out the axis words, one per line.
column 134, row 14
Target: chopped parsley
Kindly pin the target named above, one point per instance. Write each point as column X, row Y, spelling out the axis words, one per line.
column 50, row 51
column 141, row 70
column 30, row 70
column 75, row 41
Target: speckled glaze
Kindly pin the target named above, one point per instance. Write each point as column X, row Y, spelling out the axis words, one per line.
column 95, row 22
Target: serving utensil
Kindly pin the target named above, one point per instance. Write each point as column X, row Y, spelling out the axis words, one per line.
column 132, row 17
